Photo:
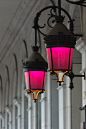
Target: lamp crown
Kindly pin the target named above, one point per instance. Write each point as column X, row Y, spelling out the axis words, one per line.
column 59, row 19
column 35, row 62
column 35, row 48
column 60, row 36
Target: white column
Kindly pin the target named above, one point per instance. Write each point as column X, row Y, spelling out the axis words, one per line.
column 17, row 102
column 35, row 116
column 64, row 105
column 43, row 110
column 5, row 120
column 61, row 115
column 2, row 116
column 13, row 116
column 30, row 112
column 67, row 103
column 23, row 109
column 81, row 47
column 9, row 111
column 48, row 102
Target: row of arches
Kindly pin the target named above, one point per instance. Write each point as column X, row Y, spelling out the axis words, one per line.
column 10, row 84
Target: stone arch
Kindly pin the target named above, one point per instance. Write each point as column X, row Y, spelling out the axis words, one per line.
column 6, row 87
column 77, row 22
column 26, row 48
column 23, row 55
column 13, row 80
column 1, row 93
column 76, row 14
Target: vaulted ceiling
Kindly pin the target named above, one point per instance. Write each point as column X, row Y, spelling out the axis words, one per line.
column 8, row 9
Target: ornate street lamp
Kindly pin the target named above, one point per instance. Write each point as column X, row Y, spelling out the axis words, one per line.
column 59, row 43
column 35, row 68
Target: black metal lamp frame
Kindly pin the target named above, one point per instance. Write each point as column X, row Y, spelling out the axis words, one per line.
column 53, row 14
column 35, row 65
column 71, row 76
column 79, row 2
column 58, row 18
column 32, row 92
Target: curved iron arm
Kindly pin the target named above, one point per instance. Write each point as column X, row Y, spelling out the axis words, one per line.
column 80, row 2
column 36, row 19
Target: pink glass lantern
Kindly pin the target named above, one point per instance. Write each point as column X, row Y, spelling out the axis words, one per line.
column 35, row 69
column 60, row 44
column 60, row 58
column 35, row 80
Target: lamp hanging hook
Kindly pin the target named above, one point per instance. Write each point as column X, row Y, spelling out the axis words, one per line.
column 35, row 28
column 59, row 8
column 35, row 37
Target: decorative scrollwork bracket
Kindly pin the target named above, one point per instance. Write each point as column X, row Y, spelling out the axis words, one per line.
column 79, row 2
column 54, row 15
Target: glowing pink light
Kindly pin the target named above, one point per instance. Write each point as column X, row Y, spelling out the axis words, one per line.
column 58, row 58
column 35, row 79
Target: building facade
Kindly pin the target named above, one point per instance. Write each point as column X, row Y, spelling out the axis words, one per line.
column 53, row 109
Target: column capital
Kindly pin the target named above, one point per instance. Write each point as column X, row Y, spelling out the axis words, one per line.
column 8, row 109
column 25, row 93
column 59, row 88
column 83, row 70
column 81, row 45
column 43, row 99
column 2, row 115
column 17, row 102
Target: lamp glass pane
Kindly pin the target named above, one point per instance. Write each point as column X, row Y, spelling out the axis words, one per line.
column 49, row 58
column 58, row 58
column 27, row 79
column 35, row 79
